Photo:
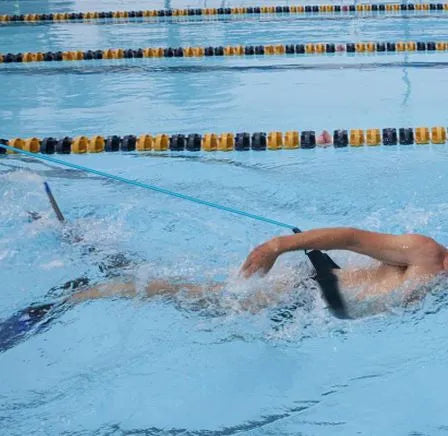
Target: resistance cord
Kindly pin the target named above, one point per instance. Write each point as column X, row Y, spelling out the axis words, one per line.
column 322, row 263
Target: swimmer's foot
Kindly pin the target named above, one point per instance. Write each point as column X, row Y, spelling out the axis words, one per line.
column 33, row 319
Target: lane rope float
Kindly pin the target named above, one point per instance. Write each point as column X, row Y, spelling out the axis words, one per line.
column 322, row 262
column 243, row 141
column 324, row 9
column 238, row 50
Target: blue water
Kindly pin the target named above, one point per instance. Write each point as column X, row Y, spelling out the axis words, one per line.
column 175, row 366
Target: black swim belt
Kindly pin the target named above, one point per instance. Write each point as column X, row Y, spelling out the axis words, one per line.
column 328, row 281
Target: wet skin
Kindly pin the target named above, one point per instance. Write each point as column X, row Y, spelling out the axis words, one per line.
column 405, row 261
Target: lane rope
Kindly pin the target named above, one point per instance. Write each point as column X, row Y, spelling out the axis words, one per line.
column 238, row 50
column 243, row 141
column 150, row 187
column 325, row 9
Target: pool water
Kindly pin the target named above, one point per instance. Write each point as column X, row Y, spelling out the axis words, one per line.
column 175, row 366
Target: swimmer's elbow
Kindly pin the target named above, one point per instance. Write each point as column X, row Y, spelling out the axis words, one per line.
column 423, row 249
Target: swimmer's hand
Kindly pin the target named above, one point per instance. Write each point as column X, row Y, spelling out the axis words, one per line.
column 261, row 259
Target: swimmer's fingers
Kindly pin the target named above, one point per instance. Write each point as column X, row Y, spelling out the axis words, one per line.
column 260, row 260
column 248, row 269
column 249, row 265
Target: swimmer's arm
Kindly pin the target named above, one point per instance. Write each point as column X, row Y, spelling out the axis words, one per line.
column 400, row 250
column 263, row 257
column 404, row 250
column 396, row 250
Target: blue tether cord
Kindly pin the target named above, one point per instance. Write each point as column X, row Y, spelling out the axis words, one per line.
column 152, row 188
column 322, row 263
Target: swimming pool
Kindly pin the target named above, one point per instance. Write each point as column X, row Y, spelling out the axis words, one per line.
column 168, row 367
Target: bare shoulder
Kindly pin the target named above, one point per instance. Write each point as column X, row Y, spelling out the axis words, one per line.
column 406, row 240
column 405, row 249
column 428, row 249
column 424, row 241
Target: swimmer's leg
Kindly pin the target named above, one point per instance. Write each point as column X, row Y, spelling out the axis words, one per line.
column 260, row 298
column 38, row 317
column 266, row 294
column 128, row 289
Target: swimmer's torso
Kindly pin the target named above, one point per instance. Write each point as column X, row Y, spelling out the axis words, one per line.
column 381, row 279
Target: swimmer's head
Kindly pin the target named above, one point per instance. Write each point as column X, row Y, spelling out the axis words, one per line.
column 445, row 261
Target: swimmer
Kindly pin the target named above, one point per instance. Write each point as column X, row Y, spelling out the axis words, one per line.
column 404, row 261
